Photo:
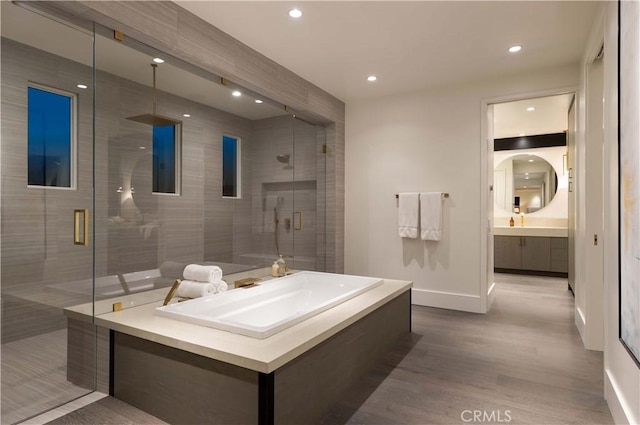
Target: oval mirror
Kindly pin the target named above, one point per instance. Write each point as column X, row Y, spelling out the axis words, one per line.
column 524, row 183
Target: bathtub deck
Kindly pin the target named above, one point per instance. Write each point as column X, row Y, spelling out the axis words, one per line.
column 161, row 365
column 180, row 387
column 264, row 355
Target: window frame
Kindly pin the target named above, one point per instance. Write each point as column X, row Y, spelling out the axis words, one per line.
column 238, row 166
column 177, row 152
column 73, row 135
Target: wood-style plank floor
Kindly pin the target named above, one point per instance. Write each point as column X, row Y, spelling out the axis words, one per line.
column 34, row 376
column 522, row 363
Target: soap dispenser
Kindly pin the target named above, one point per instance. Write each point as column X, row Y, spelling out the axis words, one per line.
column 512, row 222
column 274, row 269
column 282, row 267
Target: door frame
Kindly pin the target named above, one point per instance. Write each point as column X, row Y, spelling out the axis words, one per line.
column 486, row 194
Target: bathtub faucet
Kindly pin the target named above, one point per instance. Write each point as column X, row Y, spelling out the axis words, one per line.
column 172, row 291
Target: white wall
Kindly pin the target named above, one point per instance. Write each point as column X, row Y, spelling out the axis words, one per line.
column 588, row 167
column 622, row 376
column 426, row 141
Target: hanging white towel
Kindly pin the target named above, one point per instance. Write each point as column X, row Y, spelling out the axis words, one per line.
column 408, row 215
column 431, row 216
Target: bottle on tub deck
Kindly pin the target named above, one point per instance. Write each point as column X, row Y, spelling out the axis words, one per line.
column 282, row 267
column 511, row 222
column 274, row 269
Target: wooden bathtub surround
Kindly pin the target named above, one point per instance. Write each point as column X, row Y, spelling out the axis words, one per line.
column 184, row 373
column 181, row 387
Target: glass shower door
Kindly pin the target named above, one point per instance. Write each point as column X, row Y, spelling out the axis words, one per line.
column 308, row 216
column 47, row 198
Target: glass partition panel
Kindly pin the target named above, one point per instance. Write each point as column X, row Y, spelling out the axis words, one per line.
column 47, row 190
column 247, row 174
column 307, row 217
column 270, row 185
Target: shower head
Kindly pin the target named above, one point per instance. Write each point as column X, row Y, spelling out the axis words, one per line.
column 283, row 158
column 154, row 119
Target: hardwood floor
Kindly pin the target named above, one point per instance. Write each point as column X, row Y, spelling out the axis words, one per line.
column 522, row 363
column 524, row 358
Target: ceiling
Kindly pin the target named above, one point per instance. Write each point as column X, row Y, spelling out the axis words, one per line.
column 513, row 119
column 408, row 45
column 336, row 45
column 124, row 61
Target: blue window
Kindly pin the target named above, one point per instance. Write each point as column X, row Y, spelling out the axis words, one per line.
column 166, row 150
column 50, row 137
column 230, row 167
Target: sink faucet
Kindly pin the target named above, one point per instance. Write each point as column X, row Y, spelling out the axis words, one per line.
column 172, row 291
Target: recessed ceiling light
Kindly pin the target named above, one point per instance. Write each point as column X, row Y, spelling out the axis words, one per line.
column 295, row 13
column 81, row 86
column 236, row 93
column 521, row 134
column 372, row 78
column 524, row 187
column 515, row 49
column 186, row 115
column 142, row 147
column 531, row 160
column 158, row 60
column 526, row 174
column 258, row 101
column 527, row 178
column 531, row 108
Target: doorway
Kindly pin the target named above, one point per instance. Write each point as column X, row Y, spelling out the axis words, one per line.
column 528, row 178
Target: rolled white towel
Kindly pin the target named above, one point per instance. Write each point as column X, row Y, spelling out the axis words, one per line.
column 191, row 289
column 221, row 286
column 202, row 273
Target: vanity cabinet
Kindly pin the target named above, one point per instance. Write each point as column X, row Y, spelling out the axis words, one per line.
column 544, row 255
column 560, row 255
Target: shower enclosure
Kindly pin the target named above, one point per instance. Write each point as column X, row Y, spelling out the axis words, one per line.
column 230, row 180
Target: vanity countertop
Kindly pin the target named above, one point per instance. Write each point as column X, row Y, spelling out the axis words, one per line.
column 554, row 232
column 138, row 318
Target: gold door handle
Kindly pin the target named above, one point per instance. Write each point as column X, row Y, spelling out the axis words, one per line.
column 297, row 220
column 81, row 227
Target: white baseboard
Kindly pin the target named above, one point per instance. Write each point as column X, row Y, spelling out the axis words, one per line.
column 620, row 414
column 448, row 300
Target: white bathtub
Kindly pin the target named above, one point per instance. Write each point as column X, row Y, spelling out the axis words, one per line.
column 264, row 310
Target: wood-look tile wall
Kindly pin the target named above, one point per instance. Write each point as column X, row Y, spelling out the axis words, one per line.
column 289, row 187
column 37, row 223
column 133, row 231
column 138, row 231
column 166, row 26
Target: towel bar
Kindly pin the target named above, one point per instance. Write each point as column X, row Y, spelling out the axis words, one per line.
column 444, row 195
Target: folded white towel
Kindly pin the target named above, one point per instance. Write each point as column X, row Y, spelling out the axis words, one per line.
column 191, row 289
column 221, row 286
column 431, row 216
column 202, row 273
column 408, row 215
